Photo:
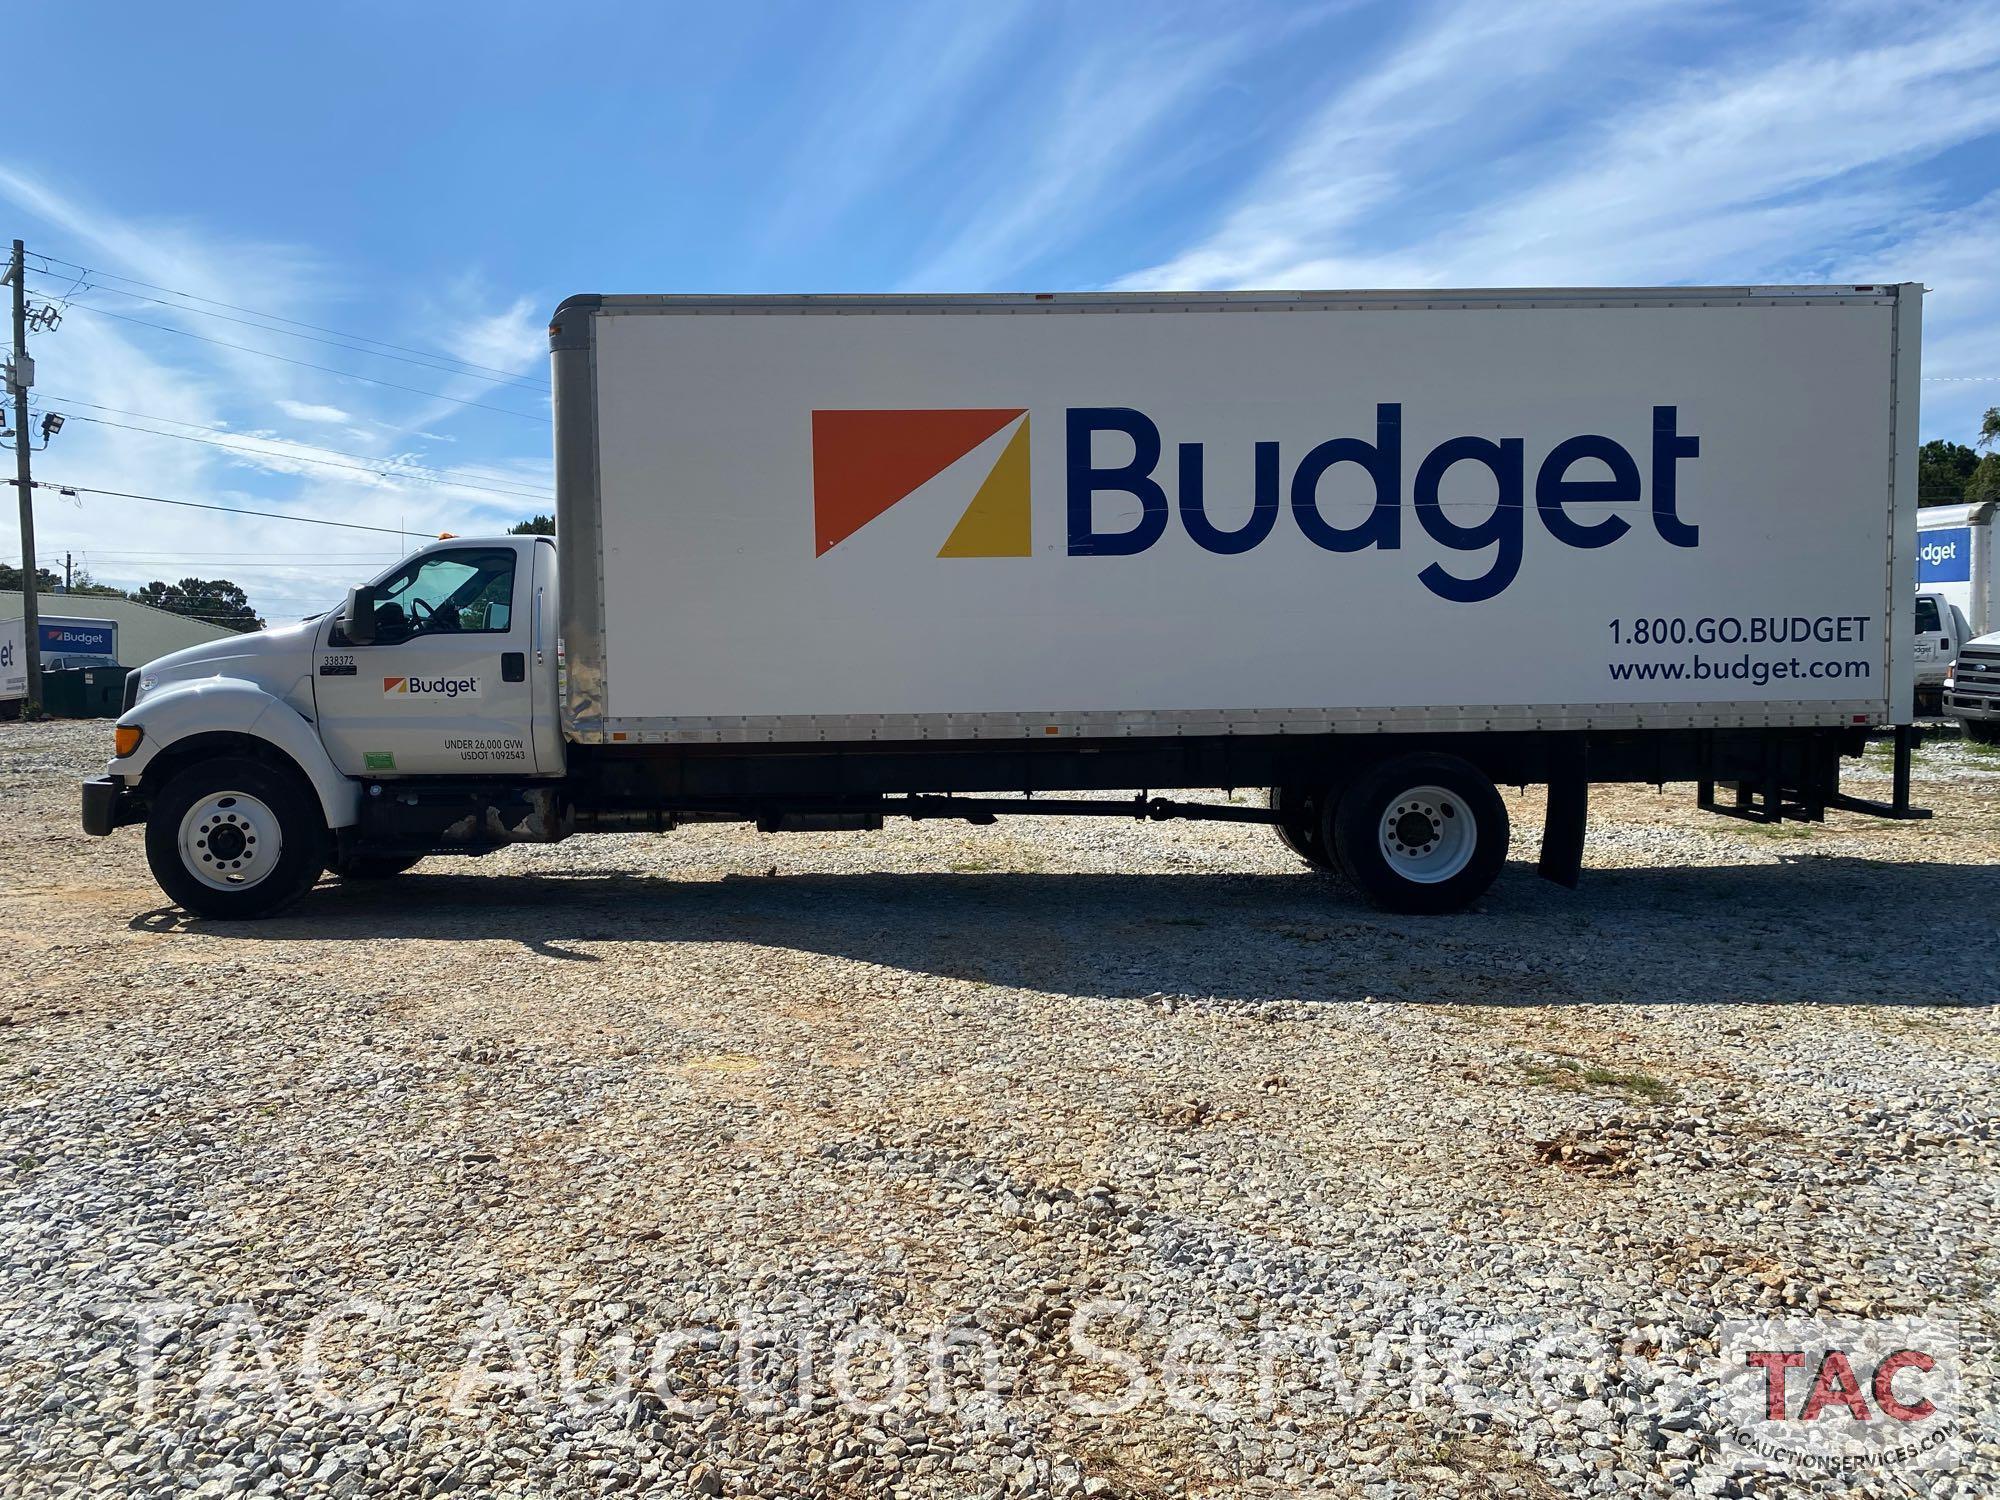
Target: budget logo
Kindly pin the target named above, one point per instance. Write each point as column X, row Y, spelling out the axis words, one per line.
column 864, row 462
column 431, row 687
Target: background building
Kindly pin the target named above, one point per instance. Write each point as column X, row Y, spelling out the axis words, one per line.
column 143, row 632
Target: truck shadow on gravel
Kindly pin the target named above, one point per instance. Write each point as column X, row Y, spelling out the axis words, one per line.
column 1804, row 930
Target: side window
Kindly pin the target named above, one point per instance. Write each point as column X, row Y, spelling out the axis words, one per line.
column 469, row 590
column 1927, row 616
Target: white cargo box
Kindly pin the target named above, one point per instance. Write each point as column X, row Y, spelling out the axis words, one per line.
column 889, row 518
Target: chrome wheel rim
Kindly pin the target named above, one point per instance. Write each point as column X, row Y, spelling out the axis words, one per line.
column 230, row 841
column 1427, row 834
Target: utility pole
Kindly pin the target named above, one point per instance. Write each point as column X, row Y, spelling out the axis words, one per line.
column 69, row 572
column 24, row 488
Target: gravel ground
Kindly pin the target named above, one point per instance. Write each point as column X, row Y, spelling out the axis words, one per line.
column 383, row 1196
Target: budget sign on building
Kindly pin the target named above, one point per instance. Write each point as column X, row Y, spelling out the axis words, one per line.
column 79, row 637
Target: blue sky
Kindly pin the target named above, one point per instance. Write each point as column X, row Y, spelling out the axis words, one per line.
column 439, row 176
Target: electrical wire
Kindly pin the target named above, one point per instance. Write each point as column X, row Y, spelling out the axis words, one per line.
column 189, row 437
column 147, row 416
column 306, row 364
column 228, row 510
column 68, row 299
column 87, row 271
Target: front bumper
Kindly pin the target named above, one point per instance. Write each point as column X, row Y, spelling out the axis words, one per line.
column 1981, row 706
column 107, row 804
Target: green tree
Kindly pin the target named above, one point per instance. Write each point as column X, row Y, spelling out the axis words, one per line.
column 1942, row 470
column 534, row 526
column 10, row 578
column 81, row 582
column 1989, row 427
column 215, row 600
column 1985, row 481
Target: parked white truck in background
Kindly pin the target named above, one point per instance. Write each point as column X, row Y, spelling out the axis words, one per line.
column 1958, row 592
column 827, row 560
column 13, row 666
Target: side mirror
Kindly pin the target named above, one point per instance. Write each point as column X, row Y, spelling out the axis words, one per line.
column 357, row 621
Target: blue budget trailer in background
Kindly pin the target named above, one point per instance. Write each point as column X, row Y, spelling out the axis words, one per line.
column 68, row 642
column 1955, row 559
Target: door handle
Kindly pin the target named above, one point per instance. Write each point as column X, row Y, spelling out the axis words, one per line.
column 538, row 627
column 513, row 666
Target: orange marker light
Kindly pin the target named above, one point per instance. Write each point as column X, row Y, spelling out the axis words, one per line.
column 125, row 739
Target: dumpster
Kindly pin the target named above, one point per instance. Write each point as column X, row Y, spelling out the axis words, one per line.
column 83, row 692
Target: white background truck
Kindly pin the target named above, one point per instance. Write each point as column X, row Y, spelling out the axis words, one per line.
column 13, row 663
column 1958, row 593
column 826, row 560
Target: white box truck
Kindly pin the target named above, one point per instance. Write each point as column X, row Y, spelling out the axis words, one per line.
column 826, row 560
column 1956, row 588
column 1955, row 562
column 13, row 667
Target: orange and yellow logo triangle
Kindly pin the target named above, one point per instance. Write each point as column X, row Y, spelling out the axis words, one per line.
column 866, row 461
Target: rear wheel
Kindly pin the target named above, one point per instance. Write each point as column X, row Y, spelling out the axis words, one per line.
column 235, row 838
column 1419, row 833
column 1299, row 824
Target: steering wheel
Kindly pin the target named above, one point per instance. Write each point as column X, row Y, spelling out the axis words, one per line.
column 420, row 615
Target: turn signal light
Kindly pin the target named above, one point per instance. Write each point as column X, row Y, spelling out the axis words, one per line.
column 125, row 739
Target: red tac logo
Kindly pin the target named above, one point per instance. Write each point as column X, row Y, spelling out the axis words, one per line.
column 1835, row 1384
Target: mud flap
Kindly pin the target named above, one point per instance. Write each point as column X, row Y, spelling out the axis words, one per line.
column 1568, row 812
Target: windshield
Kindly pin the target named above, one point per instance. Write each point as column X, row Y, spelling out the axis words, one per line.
column 468, row 589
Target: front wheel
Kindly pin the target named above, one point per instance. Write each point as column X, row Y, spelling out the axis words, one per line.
column 234, row 838
column 1982, row 731
column 1420, row 834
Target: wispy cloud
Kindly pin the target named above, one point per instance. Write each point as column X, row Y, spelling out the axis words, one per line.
column 307, row 411
column 1462, row 74
column 890, row 102
column 1803, row 157
column 361, row 457
column 1097, row 129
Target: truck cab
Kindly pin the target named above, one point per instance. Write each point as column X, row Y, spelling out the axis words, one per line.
column 1972, row 689
column 249, row 758
column 1941, row 630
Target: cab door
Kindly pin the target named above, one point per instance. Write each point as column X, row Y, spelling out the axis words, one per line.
column 444, row 687
column 1937, row 645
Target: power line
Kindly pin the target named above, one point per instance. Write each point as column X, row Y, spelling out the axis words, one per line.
column 228, row 510
column 86, row 558
column 189, row 437
column 86, row 271
column 147, row 416
column 480, row 372
column 90, row 552
column 305, row 364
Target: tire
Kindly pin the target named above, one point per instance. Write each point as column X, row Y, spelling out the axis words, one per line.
column 247, row 808
column 1299, row 824
column 1982, row 731
column 1419, row 834
column 372, row 866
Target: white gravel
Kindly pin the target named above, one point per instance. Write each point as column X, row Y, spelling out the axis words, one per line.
column 278, row 1194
